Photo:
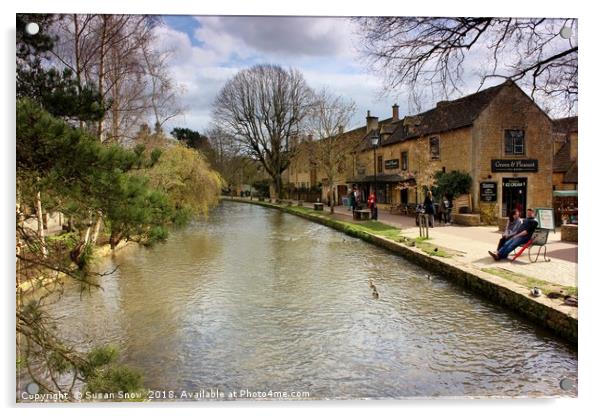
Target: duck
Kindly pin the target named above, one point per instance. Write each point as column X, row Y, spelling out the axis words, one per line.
column 375, row 294
column 535, row 292
column 570, row 300
column 556, row 295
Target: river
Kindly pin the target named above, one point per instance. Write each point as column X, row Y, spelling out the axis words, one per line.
column 255, row 299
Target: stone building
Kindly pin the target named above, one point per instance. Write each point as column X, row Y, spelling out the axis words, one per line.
column 305, row 172
column 498, row 135
column 565, row 154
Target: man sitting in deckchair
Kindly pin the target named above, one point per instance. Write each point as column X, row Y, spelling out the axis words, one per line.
column 522, row 236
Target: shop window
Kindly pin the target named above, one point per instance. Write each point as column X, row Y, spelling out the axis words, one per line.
column 434, row 147
column 514, row 142
column 404, row 160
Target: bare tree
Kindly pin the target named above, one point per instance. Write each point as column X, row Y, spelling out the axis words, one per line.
column 163, row 92
column 330, row 115
column 262, row 108
column 419, row 52
column 116, row 54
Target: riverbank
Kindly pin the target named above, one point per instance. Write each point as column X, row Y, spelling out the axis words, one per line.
column 100, row 252
column 508, row 292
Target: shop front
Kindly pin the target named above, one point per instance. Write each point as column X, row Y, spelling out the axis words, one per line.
column 386, row 187
column 517, row 179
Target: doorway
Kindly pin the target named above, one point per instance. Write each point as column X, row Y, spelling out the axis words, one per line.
column 514, row 195
column 404, row 196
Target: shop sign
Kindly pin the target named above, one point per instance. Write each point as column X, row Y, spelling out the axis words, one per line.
column 545, row 218
column 514, row 165
column 488, row 191
column 392, row 164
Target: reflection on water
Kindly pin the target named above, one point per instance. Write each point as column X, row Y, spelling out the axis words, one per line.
column 257, row 299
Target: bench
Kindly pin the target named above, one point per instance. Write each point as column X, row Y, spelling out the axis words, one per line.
column 361, row 214
column 538, row 239
column 318, row 206
column 399, row 208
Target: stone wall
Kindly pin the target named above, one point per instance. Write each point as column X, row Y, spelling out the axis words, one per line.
column 466, row 219
column 569, row 232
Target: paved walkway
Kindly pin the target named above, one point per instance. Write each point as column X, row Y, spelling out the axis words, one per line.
column 473, row 243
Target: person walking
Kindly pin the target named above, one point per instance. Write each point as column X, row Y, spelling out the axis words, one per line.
column 372, row 205
column 446, row 210
column 512, row 226
column 352, row 202
column 429, row 208
column 523, row 235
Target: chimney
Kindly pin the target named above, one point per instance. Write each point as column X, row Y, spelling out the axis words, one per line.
column 341, row 129
column 371, row 122
column 395, row 112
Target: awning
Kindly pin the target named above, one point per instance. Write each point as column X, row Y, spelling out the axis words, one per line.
column 394, row 178
column 565, row 193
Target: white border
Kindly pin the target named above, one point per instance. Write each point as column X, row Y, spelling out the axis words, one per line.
column 589, row 184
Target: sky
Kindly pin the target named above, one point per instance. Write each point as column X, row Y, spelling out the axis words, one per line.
column 208, row 50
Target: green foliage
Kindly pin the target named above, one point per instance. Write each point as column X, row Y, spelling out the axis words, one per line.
column 81, row 175
column 100, row 356
column 103, row 374
column 263, row 187
column 61, row 93
column 190, row 138
column 452, row 183
column 184, row 175
column 489, row 214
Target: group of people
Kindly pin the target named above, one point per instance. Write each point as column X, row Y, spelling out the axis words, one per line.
column 354, row 197
column 517, row 233
column 445, row 209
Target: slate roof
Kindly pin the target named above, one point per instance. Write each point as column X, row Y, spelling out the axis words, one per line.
column 448, row 115
column 565, row 125
column 562, row 158
column 571, row 175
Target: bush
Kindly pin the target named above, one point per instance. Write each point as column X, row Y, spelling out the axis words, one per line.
column 262, row 187
column 452, row 183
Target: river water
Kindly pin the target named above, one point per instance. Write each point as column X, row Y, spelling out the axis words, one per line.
column 255, row 299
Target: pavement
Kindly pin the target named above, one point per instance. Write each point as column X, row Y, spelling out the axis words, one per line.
column 472, row 243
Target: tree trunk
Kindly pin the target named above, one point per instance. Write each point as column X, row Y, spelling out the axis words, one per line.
column 40, row 218
column 101, row 70
column 332, row 199
column 96, row 229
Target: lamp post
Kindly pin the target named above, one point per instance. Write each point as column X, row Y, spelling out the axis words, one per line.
column 374, row 138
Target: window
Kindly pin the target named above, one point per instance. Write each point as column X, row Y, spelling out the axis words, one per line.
column 404, row 160
column 434, row 144
column 380, row 164
column 514, row 142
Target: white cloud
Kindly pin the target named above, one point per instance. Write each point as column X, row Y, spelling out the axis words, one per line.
column 290, row 35
column 322, row 48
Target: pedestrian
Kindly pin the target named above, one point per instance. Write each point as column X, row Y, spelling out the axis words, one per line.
column 372, row 205
column 352, row 202
column 429, row 208
column 450, row 198
column 512, row 226
column 522, row 236
column 446, row 210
